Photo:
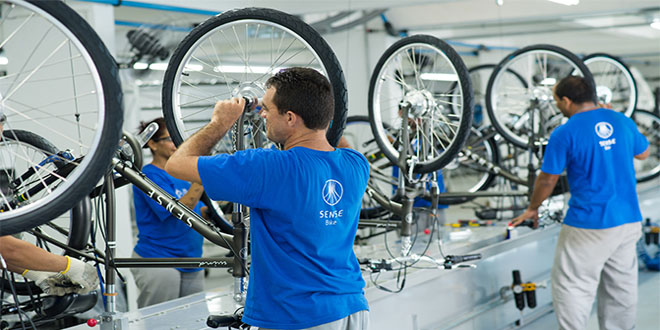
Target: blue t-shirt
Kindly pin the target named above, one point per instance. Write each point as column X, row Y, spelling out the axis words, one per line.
column 596, row 148
column 304, row 211
column 160, row 234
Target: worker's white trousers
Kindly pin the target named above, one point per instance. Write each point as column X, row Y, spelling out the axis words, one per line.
column 590, row 261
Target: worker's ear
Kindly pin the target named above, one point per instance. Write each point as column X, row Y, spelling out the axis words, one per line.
column 292, row 119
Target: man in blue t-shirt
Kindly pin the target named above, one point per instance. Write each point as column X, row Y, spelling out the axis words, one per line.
column 595, row 251
column 304, row 205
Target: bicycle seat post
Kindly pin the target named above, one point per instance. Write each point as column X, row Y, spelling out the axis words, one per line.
column 531, row 175
column 110, row 293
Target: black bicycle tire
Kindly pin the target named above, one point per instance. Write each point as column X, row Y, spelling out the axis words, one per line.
column 466, row 116
column 656, row 173
column 489, row 106
column 216, row 219
column 106, row 68
column 302, row 29
column 80, row 224
column 376, row 212
column 626, row 69
column 496, row 160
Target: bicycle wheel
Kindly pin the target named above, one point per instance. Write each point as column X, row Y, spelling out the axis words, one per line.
column 233, row 54
column 427, row 73
column 649, row 125
column 615, row 84
column 62, row 84
column 510, row 106
column 358, row 135
column 72, row 229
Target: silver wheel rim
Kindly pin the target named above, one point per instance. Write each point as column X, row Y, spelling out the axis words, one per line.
column 35, row 97
column 540, row 69
column 286, row 47
column 438, row 111
column 614, row 83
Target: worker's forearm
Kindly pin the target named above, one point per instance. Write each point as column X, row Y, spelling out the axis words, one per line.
column 183, row 163
column 543, row 188
column 193, row 195
column 21, row 255
column 202, row 142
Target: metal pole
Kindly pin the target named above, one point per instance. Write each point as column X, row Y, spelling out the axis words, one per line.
column 239, row 270
column 111, row 243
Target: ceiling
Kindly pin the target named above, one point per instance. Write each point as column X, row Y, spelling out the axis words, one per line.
column 617, row 27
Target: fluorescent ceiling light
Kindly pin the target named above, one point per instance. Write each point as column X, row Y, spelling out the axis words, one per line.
column 158, row 66
column 140, row 66
column 548, row 82
column 566, row 2
column 244, row 69
column 656, row 23
column 439, row 76
column 4, row 60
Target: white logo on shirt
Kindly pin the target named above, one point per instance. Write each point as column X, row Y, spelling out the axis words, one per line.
column 180, row 192
column 332, row 192
column 604, row 129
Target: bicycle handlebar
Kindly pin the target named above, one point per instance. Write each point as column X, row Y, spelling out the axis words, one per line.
column 232, row 320
column 450, row 261
column 463, row 258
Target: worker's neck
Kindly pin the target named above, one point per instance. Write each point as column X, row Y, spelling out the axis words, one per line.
column 312, row 139
column 584, row 107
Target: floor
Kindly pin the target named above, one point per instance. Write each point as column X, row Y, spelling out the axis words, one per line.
column 648, row 307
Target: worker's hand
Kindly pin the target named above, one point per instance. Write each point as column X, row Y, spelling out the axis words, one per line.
column 204, row 212
column 51, row 283
column 528, row 214
column 83, row 276
column 227, row 112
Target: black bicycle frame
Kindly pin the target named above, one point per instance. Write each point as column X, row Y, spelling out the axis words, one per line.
column 172, row 205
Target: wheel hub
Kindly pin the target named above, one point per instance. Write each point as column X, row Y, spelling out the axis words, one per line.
column 250, row 90
column 421, row 101
column 543, row 94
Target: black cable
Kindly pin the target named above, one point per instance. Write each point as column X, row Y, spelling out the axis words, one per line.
column 37, row 307
column 399, row 289
column 18, row 307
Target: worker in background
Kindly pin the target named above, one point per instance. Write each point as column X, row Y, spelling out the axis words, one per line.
column 595, row 253
column 304, row 205
column 160, row 234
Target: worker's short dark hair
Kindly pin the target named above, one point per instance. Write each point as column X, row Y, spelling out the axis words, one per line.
column 305, row 92
column 577, row 89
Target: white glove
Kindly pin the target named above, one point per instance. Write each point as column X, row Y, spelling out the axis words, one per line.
column 51, row 283
column 83, row 276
